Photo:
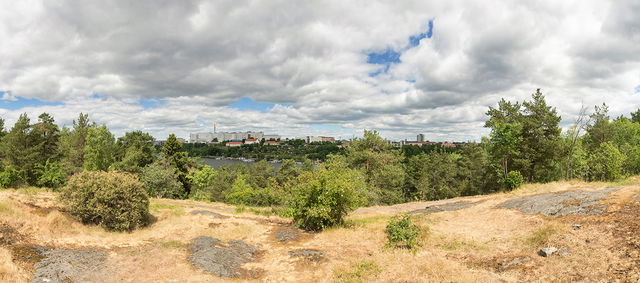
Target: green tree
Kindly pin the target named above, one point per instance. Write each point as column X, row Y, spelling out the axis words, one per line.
column 599, row 130
column 47, row 136
column 51, row 174
column 382, row 165
column 160, row 180
column 635, row 116
column 134, row 151
column 179, row 160
column 19, row 149
column 433, row 176
column 606, row 163
column 505, row 145
column 99, row 149
column 72, row 143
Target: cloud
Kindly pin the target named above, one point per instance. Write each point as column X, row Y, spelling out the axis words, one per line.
column 404, row 68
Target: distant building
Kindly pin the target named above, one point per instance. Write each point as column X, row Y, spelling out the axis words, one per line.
column 310, row 139
column 271, row 143
column 227, row 136
column 251, row 141
column 328, row 139
column 420, row 138
column 448, row 144
column 234, row 143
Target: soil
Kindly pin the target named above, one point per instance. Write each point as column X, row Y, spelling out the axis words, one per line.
column 562, row 203
column 445, row 207
column 223, row 259
column 625, row 230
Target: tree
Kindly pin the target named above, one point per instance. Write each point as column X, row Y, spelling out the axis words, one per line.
column 382, row 165
column 599, row 130
column 179, row 160
column 432, row 176
column 540, row 140
column 46, row 135
column 19, row 149
column 504, row 145
column 134, row 151
column 72, row 143
column 605, row 163
column 99, row 149
column 160, row 180
column 635, row 116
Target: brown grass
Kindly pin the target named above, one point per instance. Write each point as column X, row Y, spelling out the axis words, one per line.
column 475, row 244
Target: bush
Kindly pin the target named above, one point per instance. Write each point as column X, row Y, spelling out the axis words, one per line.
column 160, row 180
column 240, row 192
column 116, row 201
column 10, row 177
column 606, row 163
column 325, row 196
column 51, row 174
column 513, row 180
column 402, row 233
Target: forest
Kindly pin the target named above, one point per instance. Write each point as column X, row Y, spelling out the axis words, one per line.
column 525, row 144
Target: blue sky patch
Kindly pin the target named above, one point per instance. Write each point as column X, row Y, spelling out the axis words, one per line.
column 637, row 89
column 151, row 103
column 247, row 103
column 390, row 56
column 19, row 102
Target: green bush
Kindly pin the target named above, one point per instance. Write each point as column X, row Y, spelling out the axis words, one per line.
column 116, row 201
column 51, row 174
column 160, row 180
column 513, row 180
column 402, row 233
column 10, row 177
column 240, row 192
column 323, row 197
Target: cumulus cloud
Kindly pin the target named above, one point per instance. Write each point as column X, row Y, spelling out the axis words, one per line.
column 310, row 59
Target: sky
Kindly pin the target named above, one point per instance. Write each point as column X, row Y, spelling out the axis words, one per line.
column 298, row 68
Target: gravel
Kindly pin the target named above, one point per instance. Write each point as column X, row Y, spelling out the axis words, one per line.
column 222, row 259
column 561, row 204
column 308, row 254
column 286, row 234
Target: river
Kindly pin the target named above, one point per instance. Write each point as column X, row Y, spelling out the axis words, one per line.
column 215, row 162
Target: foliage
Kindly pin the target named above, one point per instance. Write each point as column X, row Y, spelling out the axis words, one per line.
column 160, row 180
column 325, row 196
column 513, row 180
column 605, row 163
column 72, row 143
column 402, row 233
column 99, row 149
column 10, row 177
column 134, row 150
column 51, row 174
column 113, row 200
column 179, row 160
column 19, row 150
column 433, row 176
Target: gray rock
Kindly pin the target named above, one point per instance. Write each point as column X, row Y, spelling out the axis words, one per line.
column 562, row 203
column 564, row 252
column 62, row 265
column 445, row 207
column 546, row 252
column 206, row 212
column 576, row 226
column 224, row 260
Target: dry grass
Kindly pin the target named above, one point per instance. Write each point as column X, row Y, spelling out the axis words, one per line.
column 475, row 244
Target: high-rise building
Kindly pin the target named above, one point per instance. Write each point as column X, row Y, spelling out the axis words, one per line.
column 420, row 138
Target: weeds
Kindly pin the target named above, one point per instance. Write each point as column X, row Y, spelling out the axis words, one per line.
column 402, row 233
column 359, row 272
column 541, row 235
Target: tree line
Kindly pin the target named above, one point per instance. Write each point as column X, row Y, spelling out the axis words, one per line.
column 525, row 144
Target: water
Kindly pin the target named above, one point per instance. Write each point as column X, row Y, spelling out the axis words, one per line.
column 215, row 163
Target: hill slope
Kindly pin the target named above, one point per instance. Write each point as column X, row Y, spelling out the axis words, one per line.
column 490, row 238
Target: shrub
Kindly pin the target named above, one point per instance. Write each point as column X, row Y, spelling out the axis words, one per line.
column 10, row 177
column 513, row 180
column 240, row 192
column 325, row 196
column 51, row 174
column 116, row 201
column 160, row 180
column 605, row 163
column 402, row 233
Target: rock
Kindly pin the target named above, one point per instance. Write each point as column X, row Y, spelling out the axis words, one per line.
column 561, row 203
column 546, row 252
column 222, row 259
column 208, row 213
column 576, row 226
column 309, row 255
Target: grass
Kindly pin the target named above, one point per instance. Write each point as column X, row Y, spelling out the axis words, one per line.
column 172, row 245
column 5, row 208
column 157, row 207
column 359, row 272
column 264, row 211
column 629, row 181
column 542, row 235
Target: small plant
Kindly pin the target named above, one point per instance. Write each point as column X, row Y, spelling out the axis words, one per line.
column 359, row 272
column 402, row 233
column 10, row 177
column 116, row 201
column 541, row 235
column 513, row 180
